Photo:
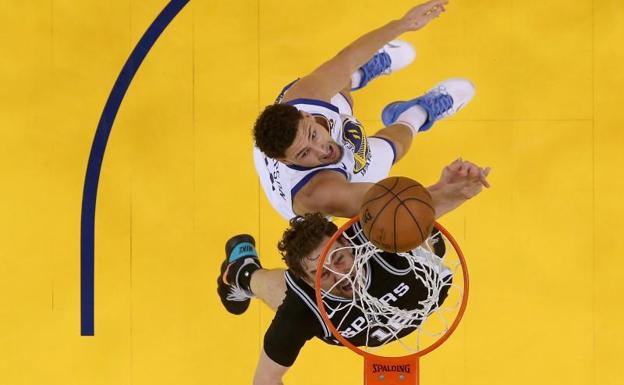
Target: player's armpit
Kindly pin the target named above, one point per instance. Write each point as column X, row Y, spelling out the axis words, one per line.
column 268, row 372
column 329, row 192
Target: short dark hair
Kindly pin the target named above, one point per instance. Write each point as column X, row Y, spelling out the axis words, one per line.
column 303, row 236
column 275, row 129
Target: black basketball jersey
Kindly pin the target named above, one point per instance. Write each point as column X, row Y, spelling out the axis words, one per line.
column 298, row 318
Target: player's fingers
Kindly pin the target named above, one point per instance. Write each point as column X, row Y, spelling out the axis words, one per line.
column 434, row 3
column 432, row 8
column 469, row 163
column 474, row 170
column 435, row 13
column 463, row 169
column 441, row 8
column 484, row 174
column 455, row 165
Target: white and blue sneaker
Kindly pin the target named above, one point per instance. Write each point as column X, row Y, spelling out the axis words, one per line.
column 395, row 55
column 443, row 100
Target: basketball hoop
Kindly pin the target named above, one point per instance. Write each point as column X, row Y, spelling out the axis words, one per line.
column 382, row 363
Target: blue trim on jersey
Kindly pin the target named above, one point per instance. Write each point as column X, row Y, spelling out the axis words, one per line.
column 241, row 250
column 314, row 102
column 303, row 168
column 391, row 145
column 307, row 178
column 281, row 94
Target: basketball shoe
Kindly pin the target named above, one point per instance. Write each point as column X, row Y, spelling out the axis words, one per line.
column 241, row 260
column 443, row 100
column 394, row 56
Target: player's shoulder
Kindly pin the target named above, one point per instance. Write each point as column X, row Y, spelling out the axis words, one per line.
column 319, row 109
column 299, row 295
column 303, row 103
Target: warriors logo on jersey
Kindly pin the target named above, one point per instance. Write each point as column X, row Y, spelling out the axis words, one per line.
column 355, row 138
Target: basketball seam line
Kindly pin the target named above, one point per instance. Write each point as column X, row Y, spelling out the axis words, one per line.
column 372, row 226
column 395, row 196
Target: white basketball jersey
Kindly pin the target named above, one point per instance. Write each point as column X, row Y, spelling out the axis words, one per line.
column 364, row 159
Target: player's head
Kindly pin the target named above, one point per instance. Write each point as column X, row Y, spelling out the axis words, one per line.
column 282, row 132
column 301, row 247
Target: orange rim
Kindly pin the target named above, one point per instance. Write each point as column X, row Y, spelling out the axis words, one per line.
column 344, row 341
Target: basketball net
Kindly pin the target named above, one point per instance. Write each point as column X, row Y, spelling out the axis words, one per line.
column 416, row 330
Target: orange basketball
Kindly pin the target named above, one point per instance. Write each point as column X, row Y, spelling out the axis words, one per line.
column 397, row 214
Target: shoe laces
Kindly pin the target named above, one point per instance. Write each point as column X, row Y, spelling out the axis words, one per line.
column 379, row 64
column 439, row 101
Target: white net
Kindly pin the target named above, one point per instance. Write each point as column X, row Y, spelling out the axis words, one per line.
column 411, row 297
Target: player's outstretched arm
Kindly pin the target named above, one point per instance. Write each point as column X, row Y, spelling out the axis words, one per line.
column 269, row 372
column 460, row 181
column 330, row 193
column 333, row 75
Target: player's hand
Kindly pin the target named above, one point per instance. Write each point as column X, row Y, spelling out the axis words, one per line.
column 464, row 178
column 460, row 181
column 422, row 14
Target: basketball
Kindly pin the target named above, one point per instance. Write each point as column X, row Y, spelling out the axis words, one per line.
column 397, row 214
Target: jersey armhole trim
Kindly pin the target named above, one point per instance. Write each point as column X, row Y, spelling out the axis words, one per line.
column 314, row 102
column 281, row 95
column 309, row 176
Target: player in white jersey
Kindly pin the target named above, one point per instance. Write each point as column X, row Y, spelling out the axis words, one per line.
column 312, row 155
column 364, row 159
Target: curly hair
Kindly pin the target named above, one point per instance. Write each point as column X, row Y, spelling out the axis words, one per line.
column 275, row 129
column 303, row 236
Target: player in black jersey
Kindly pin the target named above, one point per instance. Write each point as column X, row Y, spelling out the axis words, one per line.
column 297, row 318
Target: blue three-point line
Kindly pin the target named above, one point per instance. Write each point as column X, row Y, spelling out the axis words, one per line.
column 87, row 226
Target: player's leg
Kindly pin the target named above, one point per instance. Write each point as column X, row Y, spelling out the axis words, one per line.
column 395, row 55
column 242, row 277
column 404, row 119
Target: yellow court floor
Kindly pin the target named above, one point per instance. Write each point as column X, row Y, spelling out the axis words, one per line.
column 544, row 244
